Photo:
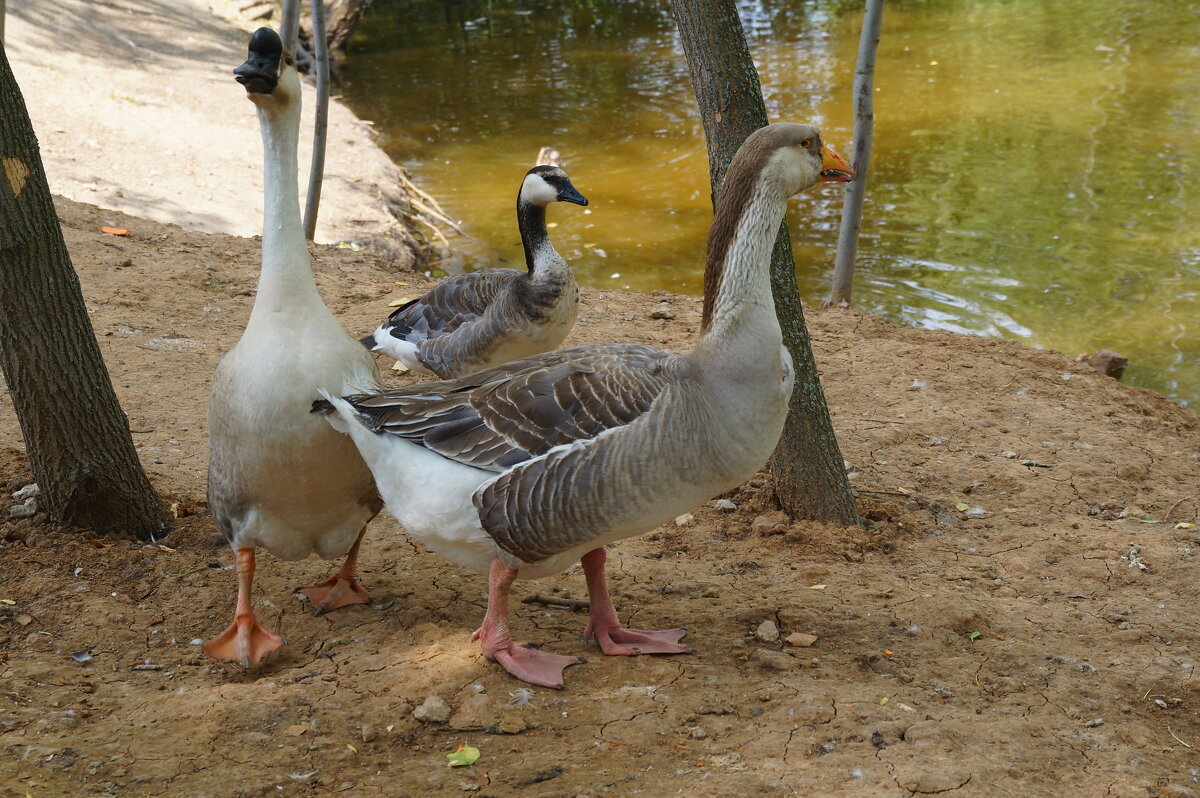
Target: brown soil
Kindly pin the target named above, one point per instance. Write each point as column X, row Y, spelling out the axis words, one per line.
column 1080, row 681
column 136, row 109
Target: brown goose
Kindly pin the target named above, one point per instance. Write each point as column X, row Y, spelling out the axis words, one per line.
column 277, row 477
column 525, row 468
column 482, row 319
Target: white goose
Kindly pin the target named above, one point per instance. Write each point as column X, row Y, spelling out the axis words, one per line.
column 277, row 477
column 525, row 468
column 483, row 319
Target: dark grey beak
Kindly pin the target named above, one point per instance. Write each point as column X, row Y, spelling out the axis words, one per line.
column 260, row 73
column 568, row 193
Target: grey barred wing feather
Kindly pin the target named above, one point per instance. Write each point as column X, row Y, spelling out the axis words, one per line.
column 496, row 419
column 578, row 493
column 440, row 321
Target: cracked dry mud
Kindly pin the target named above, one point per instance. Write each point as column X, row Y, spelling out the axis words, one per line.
column 1081, row 681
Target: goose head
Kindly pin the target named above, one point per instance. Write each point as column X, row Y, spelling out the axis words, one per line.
column 546, row 184
column 792, row 157
column 269, row 73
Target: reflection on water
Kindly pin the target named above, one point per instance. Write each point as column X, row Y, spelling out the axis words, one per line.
column 1034, row 176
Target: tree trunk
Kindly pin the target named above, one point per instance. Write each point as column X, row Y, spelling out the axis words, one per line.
column 316, row 170
column 76, row 435
column 341, row 20
column 810, row 478
column 289, row 24
column 860, row 159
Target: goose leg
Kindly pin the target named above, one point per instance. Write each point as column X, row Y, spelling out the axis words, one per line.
column 604, row 626
column 245, row 641
column 342, row 589
column 523, row 661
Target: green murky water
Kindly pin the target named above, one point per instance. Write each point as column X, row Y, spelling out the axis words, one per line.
column 1036, row 172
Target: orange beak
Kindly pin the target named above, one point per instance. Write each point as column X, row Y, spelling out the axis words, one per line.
column 834, row 168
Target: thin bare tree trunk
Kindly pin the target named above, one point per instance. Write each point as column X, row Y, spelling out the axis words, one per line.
column 289, row 24
column 810, row 476
column 316, row 172
column 860, row 159
column 2, row 2
column 76, row 436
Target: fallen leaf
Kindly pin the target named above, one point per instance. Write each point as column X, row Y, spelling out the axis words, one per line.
column 166, row 548
column 400, row 367
column 352, row 748
column 24, row 620
column 975, row 635
column 465, row 755
column 9, row 602
column 296, row 729
column 395, row 303
column 962, row 507
column 156, row 620
column 1184, row 525
column 884, row 700
column 817, row 587
column 114, row 231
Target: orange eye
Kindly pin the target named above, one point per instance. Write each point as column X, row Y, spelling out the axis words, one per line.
column 806, row 143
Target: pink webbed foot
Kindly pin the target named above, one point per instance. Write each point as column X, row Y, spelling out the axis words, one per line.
column 335, row 592
column 245, row 641
column 616, row 640
column 528, row 663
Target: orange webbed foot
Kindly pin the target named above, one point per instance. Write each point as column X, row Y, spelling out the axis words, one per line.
column 245, row 642
column 335, row 592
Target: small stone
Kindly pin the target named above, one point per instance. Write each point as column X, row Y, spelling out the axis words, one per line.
column 697, row 733
column 663, row 311
column 767, row 631
column 433, row 710
column 685, row 519
column 1094, row 722
column 368, row 733
column 513, row 726
column 769, row 522
column 725, row 505
column 26, row 510
column 1008, row 455
column 800, row 639
column 26, row 492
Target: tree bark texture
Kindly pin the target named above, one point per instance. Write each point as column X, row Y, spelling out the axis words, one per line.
column 810, row 477
column 341, row 20
column 860, row 159
column 76, row 436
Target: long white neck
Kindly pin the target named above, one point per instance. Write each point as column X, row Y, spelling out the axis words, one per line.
column 286, row 284
column 743, row 322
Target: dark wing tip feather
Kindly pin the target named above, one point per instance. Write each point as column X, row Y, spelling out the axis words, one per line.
column 322, row 406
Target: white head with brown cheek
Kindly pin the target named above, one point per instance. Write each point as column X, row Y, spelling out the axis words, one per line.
column 269, row 73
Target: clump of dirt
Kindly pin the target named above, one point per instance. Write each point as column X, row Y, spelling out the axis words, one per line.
column 1016, row 617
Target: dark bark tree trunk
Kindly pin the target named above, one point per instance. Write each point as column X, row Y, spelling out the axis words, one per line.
column 810, row 478
column 341, row 20
column 76, row 435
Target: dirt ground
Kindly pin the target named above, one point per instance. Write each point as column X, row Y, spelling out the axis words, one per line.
column 136, row 109
column 1039, row 642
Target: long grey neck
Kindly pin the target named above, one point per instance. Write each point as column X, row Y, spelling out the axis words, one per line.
column 744, row 323
column 286, row 283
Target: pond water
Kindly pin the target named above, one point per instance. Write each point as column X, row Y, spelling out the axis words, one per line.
column 1036, row 171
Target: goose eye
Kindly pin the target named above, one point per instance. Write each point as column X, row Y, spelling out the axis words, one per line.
column 806, row 143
